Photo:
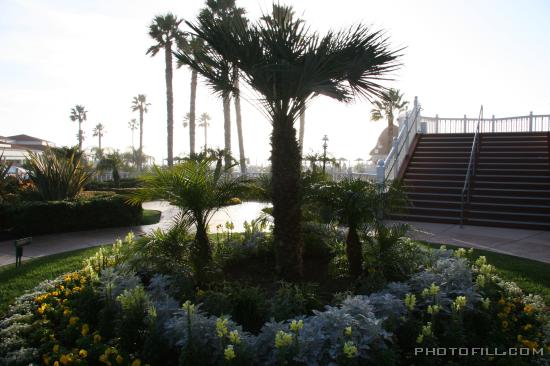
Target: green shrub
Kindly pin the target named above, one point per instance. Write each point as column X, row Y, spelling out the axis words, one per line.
column 135, row 318
column 292, row 300
column 88, row 212
column 110, row 185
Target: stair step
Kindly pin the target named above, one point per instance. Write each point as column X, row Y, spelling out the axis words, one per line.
column 507, row 207
column 428, row 218
column 512, row 178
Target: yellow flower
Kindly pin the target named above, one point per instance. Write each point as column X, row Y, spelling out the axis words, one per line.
column 73, row 320
column 283, row 339
column 459, row 303
column 103, row 358
column 119, row 359
column 55, row 293
column 56, row 363
column 229, row 353
column 528, row 308
column 520, row 337
column 480, row 280
column 85, row 330
column 234, row 337
column 97, row 338
column 527, row 327
column 347, row 331
column 504, row 324
column 501, row 301
column 67, row 312
column 221, row 327
column 46, row 359
column 83, row 353
column 350, row 350
column 136, row 362
column 56, row 348
column 189, row 307
column 64, row 359
column 296, row 326
column 460, row 253
column 410, row 301
column 433, row 309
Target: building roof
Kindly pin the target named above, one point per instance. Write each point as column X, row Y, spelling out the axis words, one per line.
column 384, row 142
column 24, row 137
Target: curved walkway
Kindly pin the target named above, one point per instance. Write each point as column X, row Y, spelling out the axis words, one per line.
column 48, row 244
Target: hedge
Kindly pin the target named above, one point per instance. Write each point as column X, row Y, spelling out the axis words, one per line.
column 41, row 217
column 108, row 185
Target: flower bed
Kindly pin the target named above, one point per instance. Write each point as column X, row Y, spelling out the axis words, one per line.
column 106, row 314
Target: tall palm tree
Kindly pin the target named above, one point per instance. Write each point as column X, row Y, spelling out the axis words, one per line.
column 390, row 101
column 165, row 31
column 204, row 121
column 288, row 65
column 191, row 46
column 79, row 113
column 113, row 162
column 225, row 11
column 140, row 104
column 133, row 125
column 99, row 131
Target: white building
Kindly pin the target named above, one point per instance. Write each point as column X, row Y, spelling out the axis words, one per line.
column 14, row 148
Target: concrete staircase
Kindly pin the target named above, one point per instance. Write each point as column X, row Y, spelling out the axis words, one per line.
column 511, row 186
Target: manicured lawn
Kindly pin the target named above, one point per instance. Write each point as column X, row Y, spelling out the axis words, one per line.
column 150, row 217
column 532, row 276
column 14, row 282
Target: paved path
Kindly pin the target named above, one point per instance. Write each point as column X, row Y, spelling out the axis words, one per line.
column 57, row 243
column 532, row 244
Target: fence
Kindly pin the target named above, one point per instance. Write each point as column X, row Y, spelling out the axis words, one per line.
column 529, row 123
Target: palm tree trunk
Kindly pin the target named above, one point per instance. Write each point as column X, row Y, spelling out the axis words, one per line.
column 99, row 138
column 202, row 250
column 302, row 127
column 169, row 104
column 140, row 137
column 79, row 135
column 353, row 252
column 192, row 107
column 227, row 129
column 390, row 126
column 205, row 135
column 286, row 188
column 238, row 117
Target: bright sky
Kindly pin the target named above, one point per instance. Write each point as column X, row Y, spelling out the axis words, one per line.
column 459, row 55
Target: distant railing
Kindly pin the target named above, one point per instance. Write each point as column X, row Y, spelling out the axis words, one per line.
column 389, row 168
column 528, row 123
column 471, row 171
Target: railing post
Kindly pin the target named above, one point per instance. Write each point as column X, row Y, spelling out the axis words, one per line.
column 380, row 172
column 465, row 124
column 493, row 124
column 531, row 121
column 437, row 123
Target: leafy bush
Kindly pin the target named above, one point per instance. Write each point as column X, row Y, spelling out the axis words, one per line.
column 109, row 185
column 58, row 176
column 292, row 300
column 136, row 317
column 38, row 217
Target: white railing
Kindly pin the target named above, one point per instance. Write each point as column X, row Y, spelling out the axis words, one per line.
column 529, row 123
column 388, row 169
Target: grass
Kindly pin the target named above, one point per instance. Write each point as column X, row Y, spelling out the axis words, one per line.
column 531, row 276
column 150, row 217
column 15, row 281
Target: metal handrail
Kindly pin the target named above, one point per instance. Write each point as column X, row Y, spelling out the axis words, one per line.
column 412, row 117
column 465, row 196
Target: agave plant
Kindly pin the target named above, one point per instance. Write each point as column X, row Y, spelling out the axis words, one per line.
column 57, row 176
column 198, row 191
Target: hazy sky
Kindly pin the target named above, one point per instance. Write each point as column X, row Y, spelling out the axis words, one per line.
column 459, row 55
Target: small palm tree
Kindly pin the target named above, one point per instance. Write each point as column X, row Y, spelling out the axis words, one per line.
column 133, row 125
column 99, row 131
column 390, row 101
column 140, row 104
column 79, row 113
column 198, row 191
column 287, row 65
column 165, row 31
column 113, row 162
column 204, row 121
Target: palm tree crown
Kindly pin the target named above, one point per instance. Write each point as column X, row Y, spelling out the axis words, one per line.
column 140, row 105
column 287, row 65
column 389, row 102
column 79, row 113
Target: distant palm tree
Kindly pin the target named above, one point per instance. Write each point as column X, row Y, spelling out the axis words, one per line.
column 79, row 113
column 204, row 121
column 133, row 125
column 226, row 12
column 192, row 46
column 99, row 131
column 140, row 104
column 114, row 162
column 287, row 65
column 165, row 31
column 389, row 102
